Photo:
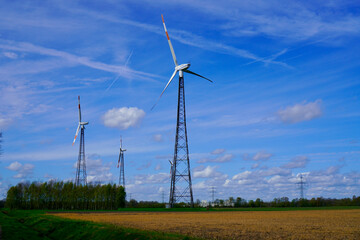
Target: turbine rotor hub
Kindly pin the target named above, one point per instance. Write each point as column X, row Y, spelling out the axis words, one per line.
column 182, row 66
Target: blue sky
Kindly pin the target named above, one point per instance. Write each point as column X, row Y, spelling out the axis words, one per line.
column 284, row 102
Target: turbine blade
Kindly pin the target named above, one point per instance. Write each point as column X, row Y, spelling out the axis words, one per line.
column 79, row 109
column 188, row 71
column 173, row 75
column 76, row 134
column 168, row 38
column 118, row 162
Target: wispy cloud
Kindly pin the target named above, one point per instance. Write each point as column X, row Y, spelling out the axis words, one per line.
column 297, row 21
column 259, row 156
column 297, row 162
column 123, row 71
column 10, row 55
column 187, row 38
column 220, row 157
column 218, row 151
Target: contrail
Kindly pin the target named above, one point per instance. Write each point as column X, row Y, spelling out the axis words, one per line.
column 126, row 63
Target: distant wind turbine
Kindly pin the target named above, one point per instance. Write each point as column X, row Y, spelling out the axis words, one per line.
column 80, row 177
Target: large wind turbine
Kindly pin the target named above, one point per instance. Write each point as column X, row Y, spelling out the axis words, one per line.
column 80, row 178
column 181, row 187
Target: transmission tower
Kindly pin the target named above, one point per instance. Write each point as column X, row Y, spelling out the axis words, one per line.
column 80, row 178
column 121, row 165
column 213, row 193
column 181, row 187
column 301, row 186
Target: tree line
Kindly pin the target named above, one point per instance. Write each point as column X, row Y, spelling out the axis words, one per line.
column 54, row 195
column 285, row 202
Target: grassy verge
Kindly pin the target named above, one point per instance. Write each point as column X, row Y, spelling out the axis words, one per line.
column 36, row 225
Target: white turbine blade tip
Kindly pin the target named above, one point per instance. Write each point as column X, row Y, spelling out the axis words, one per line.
column 171, row 78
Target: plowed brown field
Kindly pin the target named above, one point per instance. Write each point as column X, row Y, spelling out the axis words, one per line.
column 310, row 224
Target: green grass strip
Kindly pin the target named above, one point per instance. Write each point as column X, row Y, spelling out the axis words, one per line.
column 35, row 225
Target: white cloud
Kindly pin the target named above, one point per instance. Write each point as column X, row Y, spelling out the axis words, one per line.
column 297, row 162
column 218, row 151
column 4, row 122
column 301, row 112
column 204, row 173
column 200, row 185
column 207, row 172
column 10, row 55
column 278, row 182
column 274, row 171
column 259, row 156
column 158, row 138
column 97, row 170
column 248, row 177
column 158, row 167
column 152, row 178
column 15, row 166
column 123, row 118
column 255, row 165
column 220, row 159
column 23, row 170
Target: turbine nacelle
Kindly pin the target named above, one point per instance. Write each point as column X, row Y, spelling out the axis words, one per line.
column 182, row 67
column 81, row 124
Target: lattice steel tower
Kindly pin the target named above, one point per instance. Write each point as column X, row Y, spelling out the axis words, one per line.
column 80, row 178
column 301, row 186
column 181, row 186
column 121, row 165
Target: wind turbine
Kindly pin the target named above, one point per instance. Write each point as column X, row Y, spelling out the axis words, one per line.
column 80, row 178
column 181, row 187
column 121, row 165
column 178, row 68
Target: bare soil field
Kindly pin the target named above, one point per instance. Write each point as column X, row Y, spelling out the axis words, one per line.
column 311, row 224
